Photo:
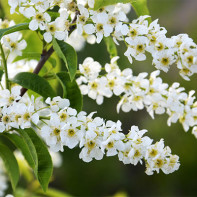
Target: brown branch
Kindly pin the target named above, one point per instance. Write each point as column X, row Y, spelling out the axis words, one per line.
column 44, row 57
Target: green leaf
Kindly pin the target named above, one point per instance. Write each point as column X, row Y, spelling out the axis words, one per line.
column 53, row 192
column 111, row 47
column 141, row 8
column 45, row 165
column 34, row 82
column 19, row 27
column 102, row 3
column 71, row 91
column 53, row 15
column 11, row 164
column 36, row 56
column 24, row 143
column 68, row 54
column 1, row 73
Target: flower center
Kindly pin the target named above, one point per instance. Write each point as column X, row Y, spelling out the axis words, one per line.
column 71, row 132
column 56, row 131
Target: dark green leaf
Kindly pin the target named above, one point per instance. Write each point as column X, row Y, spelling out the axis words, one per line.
column 19, row 27
column 1, row 73
column 71, row 91
column 11, row 164
column 111, row 47
column 24, row 143
column 68, row 54
column 34, row 82
column 45, row 165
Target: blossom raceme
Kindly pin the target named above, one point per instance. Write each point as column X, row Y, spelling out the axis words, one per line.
column 138, row 92
column 138, row 35
column 63, row 127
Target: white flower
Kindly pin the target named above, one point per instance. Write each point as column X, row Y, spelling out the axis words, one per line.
column 39, row 20
column 52, row 29
column 7, row 97
column 14, row 4
column 136, row 48
column 101, row 26
column 91, row 147
column 164, row 59
column 14, row 43
column 82, row 18
column 90, row 68
column 71, row 135
column 51, row 134
column 57, row 103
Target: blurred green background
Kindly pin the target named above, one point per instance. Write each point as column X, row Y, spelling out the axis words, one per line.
column 109, row 176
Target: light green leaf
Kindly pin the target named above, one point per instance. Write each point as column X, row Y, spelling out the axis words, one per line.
column 45, row 165
column 68, row 54
column 111, row 47
column 11, row 164
column 34, row 82
column 19, row 27
column 140, row 6
column 71, row 91
column 53, row 15
column 101, row 3
column 24, row 143
column 53, row 192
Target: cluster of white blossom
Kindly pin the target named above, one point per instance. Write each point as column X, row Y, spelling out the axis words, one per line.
column 60, row 125
column 138, row 35
column 41, row 16
column 13, row 44
column 138, row 92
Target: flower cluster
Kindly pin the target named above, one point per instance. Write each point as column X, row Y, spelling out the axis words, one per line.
column 138, row 92
column 60, row 125
column 138, row 35
column 13, row 44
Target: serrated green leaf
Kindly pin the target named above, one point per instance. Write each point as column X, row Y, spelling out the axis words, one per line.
column 11, row 164
column 19, row 27
column 24, row 143
column 111, row 47
column 71, row 91
column 36, row 56
column 34, row 82
column 45, row 165
column 68, row 54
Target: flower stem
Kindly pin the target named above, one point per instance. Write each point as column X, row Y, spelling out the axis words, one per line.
column 7, row 84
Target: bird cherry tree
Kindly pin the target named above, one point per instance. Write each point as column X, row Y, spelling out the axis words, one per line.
column 39, row 121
